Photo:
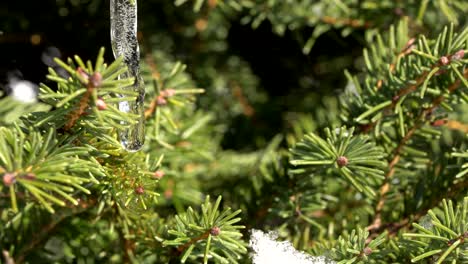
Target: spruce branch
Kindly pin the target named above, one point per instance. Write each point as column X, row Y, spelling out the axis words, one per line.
column 43, row 167
column 354, row 158
column 88, row 96
column 354, row 248
column 47, row 229
column 211, row 233
column 345, row 15
column 171, row 92
column 384, row 189
column 446, row 236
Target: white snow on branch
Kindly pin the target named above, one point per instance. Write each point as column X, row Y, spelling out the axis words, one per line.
column 269, row 251
column 23, row 91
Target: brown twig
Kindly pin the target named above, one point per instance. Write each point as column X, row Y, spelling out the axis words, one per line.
column 385, row 188
column 93, row 82
column 246, row 107
column 205, row 235
column 157, row 77
column 394, row 228
column 444, row 60
column 407, row 49
column 355, row 23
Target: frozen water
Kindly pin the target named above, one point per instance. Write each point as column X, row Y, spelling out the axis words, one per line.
column 269, row 251
column 124, row 43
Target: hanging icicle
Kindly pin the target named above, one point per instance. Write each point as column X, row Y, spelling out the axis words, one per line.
column 124, row 43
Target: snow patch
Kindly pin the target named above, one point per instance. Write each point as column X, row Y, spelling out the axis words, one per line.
column 269, row 251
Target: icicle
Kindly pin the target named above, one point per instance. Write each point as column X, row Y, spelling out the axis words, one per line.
column 124, row 43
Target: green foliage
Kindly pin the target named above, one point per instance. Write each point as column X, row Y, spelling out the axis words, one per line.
column 354, row 158
column 86, row 85
column 444, row 237
column 11, row 110
column 211, row 234
column 343, row 15
column 464, row 166
column 41, row 167
column 375, row 173
column 354, row 247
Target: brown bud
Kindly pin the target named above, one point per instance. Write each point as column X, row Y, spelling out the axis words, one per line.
column 9, row 179
column 342, row 161
column 139, row 190
column 100, row 104
column 215, row 231
column 96, row 79
column 158, row 174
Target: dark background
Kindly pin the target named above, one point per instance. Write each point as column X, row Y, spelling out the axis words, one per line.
column 32, row 29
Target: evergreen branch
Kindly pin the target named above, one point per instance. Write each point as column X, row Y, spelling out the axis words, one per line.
column 156, row 76
column 443, row 61
column 354, row 158
column 393, row 228
column 47, row 230
column 43, row 167
column 87, row 89
column 203, row 236
column 92, row 82
column 406, row 50
column 353, row 247
column 448, row 231
column 207, row 233
column 385, row 188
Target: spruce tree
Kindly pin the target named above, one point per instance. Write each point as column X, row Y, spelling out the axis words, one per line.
column 375, row 171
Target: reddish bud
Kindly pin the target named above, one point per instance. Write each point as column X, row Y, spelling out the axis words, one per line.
column 439, row 122
column 458, row 55
column 96, row 79
column 160, row 100
column 139, row 190
column 367, row 251
column 9, row 179
column 82, row 73
column 100, row 104
column 342, row 161
column 215, row 231
column 444, row 60
column 168, row 92
column 158, row 174
column 168, row 193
